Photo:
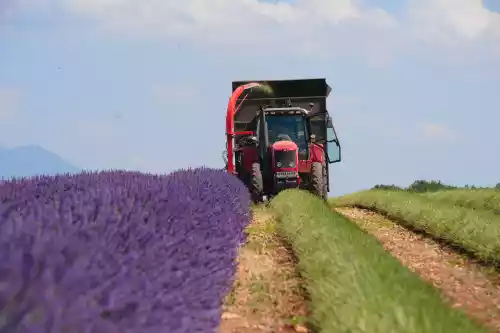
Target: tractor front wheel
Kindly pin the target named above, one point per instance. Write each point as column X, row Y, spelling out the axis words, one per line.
column 256, row 183
column 318, row 180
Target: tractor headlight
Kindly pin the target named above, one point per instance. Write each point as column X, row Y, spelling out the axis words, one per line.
column 279, row 164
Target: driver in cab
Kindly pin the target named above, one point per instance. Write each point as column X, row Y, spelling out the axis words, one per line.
column 279, row 134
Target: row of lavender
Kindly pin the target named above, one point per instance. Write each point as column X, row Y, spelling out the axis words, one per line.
column 119, row 251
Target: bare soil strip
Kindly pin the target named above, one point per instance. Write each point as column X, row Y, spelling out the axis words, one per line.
column 267, row 294
column 463, row 283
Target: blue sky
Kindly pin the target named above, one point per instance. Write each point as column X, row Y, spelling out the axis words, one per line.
column 143, row 85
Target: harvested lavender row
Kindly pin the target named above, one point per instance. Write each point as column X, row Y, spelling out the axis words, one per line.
column 119, row 251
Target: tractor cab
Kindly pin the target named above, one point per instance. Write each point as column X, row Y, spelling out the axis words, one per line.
column 283, row 138
column 288, row 124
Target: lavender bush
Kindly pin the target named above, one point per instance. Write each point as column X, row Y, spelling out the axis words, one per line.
column 119, row 251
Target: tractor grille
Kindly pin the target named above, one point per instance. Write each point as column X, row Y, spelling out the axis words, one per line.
column 285, row 159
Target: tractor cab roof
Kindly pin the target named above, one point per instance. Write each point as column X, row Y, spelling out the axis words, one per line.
column 285, row 111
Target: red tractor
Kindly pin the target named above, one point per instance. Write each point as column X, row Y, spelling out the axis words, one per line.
column 280, row 136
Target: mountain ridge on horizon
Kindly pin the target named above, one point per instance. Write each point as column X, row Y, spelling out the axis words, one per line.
column 32, row 160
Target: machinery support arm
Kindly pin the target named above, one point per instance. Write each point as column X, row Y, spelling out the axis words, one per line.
column 232, row 109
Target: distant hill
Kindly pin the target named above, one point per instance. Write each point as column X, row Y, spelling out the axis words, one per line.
column 26, row 161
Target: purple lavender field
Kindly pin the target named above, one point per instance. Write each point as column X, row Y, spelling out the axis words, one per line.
column 119, row 251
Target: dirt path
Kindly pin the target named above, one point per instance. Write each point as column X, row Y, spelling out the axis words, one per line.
column 463, row 283
column 267, row 294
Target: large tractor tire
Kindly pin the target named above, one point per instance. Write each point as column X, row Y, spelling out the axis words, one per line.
column 256, row 183
column 318, row 180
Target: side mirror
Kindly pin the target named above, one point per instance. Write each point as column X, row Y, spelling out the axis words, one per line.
column 334, row 141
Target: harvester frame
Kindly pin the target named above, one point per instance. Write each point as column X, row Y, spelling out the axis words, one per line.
column 268, row 165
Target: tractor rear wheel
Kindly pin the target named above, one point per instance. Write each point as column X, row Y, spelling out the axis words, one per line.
column 318, row 180
column 256, row 183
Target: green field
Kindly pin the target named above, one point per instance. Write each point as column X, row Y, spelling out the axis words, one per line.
column 477, row 231
column 354, row 285
column 486, row 199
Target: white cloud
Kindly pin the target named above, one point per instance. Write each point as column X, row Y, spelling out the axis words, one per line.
column 10, row 100
column 465, row 29
column 453, row 20
column 434, row 131
column 462, row 29
column 307, row 27
column 303, row 23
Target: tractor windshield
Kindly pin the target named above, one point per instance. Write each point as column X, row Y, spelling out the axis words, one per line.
column 288, row 127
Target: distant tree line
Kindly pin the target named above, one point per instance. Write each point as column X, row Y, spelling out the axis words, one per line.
column 421, row 186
